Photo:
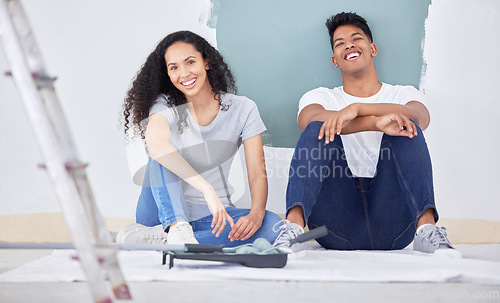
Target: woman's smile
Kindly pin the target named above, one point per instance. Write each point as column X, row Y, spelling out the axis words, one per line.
column 189, row 84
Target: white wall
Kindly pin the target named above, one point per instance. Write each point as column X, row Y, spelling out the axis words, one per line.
column 94, row 48
column 463, row 75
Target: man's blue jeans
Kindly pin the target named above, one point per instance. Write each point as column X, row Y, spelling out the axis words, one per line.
column 361, row 213
column 162, row 202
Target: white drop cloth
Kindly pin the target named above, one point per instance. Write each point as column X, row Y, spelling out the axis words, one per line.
column 314, row 264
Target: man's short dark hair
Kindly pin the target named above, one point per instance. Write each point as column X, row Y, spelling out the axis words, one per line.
column 347, row 19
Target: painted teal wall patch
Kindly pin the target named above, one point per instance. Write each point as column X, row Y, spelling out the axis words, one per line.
column 279, row 49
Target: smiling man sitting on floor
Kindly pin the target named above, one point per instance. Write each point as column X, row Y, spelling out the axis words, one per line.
column 361, row 166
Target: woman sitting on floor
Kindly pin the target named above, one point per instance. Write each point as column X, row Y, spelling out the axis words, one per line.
column 180, row 104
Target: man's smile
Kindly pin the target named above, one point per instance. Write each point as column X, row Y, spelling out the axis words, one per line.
column 352, row 55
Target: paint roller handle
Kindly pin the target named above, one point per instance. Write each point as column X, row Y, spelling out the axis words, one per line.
column 203, row 248
column 312, row 234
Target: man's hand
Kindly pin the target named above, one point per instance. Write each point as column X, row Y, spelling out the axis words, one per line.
column 336, row 121
column 394, row 124
column 246, row 226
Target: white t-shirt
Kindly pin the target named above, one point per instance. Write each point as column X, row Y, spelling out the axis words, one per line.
column 210, row 149
column 362, row 149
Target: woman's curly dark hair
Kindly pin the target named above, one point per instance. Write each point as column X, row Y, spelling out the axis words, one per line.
column 152, row 80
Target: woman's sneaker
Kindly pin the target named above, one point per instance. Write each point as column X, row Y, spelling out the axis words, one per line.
column 432, row 239
column 288, row 231
column 181, row 233
column 140, row 234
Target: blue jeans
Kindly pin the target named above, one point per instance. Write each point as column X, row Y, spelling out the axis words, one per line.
column 361, row 213
column 162, row 202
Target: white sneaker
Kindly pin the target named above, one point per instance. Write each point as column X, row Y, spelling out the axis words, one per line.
column 287, row 232
column 433, row 240
column 140, row 234
column 181, row 233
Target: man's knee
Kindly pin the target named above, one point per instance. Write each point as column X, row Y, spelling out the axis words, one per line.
column 314, row 125
column 309, row 137
column 419, row 139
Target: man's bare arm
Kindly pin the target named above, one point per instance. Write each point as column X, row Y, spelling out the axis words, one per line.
column 358, row 117
column 414, row 110
column 316, row 112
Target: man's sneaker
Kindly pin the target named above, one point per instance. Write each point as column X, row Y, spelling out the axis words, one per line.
column 181, row 233
column 432, row 239
column 140, row 234
column 287, row 231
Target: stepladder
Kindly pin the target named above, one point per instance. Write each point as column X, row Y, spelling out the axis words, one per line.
column 67, row 174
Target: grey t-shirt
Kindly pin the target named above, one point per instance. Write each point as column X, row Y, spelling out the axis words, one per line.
column 210, row 149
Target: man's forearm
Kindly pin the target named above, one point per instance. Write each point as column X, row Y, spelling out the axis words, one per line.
column 410, row 110
column 358, row 124
column 380, row 109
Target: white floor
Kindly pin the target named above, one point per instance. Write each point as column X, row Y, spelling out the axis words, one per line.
column 244, row 290
column 251, row 291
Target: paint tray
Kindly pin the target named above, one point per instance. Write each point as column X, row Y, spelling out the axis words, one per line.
column 209, row 252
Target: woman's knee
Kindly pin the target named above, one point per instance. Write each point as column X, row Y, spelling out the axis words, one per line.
column 267, row 231
column 271, row 217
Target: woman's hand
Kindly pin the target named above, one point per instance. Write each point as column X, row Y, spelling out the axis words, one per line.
column 247, row 226
column 219, row 213
column 394, row 124
column 337, row 120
